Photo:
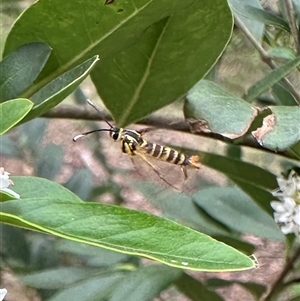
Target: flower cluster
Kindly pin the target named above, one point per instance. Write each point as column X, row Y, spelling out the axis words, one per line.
column 3, row 291
column 287, row 210
column 5, row 182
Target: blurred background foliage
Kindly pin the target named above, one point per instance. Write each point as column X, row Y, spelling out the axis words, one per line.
column 58, row 269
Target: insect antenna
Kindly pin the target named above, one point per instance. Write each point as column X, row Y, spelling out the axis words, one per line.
column 90, row 132
column 99, row 130
column 93, row 105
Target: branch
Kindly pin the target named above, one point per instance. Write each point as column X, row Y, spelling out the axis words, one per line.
column 82, row 112
column 265, row 56
column 168, row 122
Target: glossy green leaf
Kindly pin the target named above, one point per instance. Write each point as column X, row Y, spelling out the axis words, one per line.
column 233, row 208
column 160, row 67
column 241, row 9
column 12, row 111
column 195, row 290
column 117, row 228
column 100, row 29
column 145, row 283
column 280, row 130
column 109, row 29
column 170, row 203
column 271, row 79
column 33, row 187
column 19, row 69
column 217, row 110
column 124, row 230
column 58, row 89
column 93, row 256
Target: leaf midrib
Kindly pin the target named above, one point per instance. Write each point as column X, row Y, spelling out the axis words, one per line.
column 63, row 68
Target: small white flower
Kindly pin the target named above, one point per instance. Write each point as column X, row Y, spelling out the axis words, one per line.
column 5, row 182
column 3, row 292
column 287, row 211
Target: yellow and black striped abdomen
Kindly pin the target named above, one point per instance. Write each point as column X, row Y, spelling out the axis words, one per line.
column 170, row 155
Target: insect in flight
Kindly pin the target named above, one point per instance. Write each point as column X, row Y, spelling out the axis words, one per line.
column 133, row 144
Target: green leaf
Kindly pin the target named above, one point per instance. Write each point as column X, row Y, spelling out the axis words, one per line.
column 15, row 246
column 271, row 79
column 283, row 96
column 33, row 187
column 245, row 175
column 92, row 256
column 4, row 196
column 124, row 230
column 145, row 283
column 237, row 211
column 148, row 75
column 283, row 53
column 19, row 69
column 109, row 29
column 261, row 196
column 58, row 89
column 170, row 203
column 12, row 111
column 195, row 290
column 206, row 100
column 266, row 17
column 58, row 278
column 241, row 9
column 280, row 130
column 92, row 289
column 294, row 151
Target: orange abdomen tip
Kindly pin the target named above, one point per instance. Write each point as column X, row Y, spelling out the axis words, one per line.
column 195, row 161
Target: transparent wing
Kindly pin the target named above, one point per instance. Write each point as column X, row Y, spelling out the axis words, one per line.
column 162, row 173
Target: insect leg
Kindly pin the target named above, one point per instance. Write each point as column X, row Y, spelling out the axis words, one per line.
column 143, row 157
column 183, row 168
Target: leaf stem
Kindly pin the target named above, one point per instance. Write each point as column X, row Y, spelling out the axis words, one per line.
column 265, row 56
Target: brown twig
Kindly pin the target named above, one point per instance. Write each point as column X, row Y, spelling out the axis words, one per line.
column 163, row 122
column 83, row 112
column 265, row 56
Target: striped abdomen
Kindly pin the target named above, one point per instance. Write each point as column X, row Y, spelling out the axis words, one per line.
column 169, row 155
